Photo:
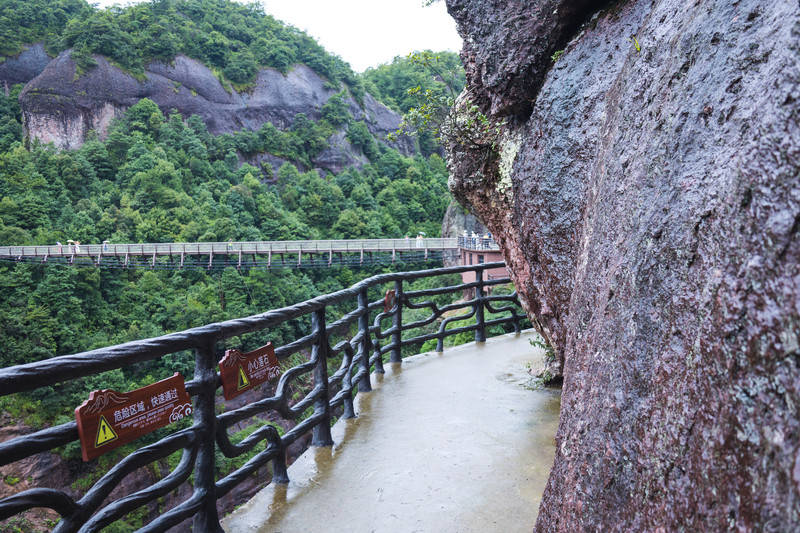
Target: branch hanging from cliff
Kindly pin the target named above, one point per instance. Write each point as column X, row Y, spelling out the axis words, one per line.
column 453, row 119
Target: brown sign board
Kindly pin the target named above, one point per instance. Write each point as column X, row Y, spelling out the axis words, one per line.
column 109, row 419
column 388, row 301
column 243, row 371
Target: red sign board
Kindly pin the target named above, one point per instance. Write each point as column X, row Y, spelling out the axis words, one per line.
column 109, row 419
column 388, row 301
column 243, row 371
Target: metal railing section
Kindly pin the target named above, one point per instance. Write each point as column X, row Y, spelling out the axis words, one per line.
column 477, row 242
column 176, row 249
column 361, row 350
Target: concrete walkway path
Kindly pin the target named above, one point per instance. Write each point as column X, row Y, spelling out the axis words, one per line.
column 459, row 442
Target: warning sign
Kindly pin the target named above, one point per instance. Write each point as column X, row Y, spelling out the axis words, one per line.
column 109, row 419
column 243, row 371
column 243, row 381
column 105, row 433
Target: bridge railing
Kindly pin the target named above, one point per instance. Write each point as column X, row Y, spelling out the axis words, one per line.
column 477, row 242
column 366, row 340
column 97, row 251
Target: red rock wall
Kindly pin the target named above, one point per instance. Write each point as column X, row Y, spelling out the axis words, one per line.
column 647, row 195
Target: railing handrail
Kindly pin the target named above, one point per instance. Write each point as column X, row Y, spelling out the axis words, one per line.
column 230, row 247
column 477, row 242
column 208, row 435
column 24, row 377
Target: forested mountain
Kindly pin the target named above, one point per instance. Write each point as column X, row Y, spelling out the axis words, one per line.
column 234, row 38
column 159, row 176
column 157, row 171
column 181, row 121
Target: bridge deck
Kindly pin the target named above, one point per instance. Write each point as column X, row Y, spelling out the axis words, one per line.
column 229, row 248
column 457, row 442
column 181, row 249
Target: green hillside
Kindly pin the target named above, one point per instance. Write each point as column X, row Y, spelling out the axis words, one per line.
column 235, row 39
column 158, row 178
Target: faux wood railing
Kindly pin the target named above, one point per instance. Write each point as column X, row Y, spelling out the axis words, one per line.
column 362, row 350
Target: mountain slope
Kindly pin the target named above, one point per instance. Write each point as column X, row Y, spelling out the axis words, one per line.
column 232, row 65
column 61, row 106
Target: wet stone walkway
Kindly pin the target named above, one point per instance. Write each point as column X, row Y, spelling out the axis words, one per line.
column 454, row 442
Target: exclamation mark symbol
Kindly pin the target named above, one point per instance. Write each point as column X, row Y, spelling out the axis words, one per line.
column 105, row 433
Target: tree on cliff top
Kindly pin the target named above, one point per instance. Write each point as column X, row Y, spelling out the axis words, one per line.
column 233, row 38
column 28, row 21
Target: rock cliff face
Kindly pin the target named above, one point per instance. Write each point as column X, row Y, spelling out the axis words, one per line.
column 24, row 67
column 456, row 221
column 61, row 105
column 646, row 192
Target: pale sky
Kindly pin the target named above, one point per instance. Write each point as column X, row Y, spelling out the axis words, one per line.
column 365, row 33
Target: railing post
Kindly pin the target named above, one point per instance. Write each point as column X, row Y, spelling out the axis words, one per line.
column 480, row 333
column 365, row 348
column 378, row 357
column 322, row 431
column 279, row 473
column 206, row 518
column 397, row 323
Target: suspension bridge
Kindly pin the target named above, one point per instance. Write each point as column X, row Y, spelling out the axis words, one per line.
column 260, row 254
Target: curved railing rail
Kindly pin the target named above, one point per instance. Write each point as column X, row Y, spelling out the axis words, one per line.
column 359, row 352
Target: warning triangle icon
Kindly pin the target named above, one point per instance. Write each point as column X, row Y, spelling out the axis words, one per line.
column 243, row 381
column 105, row 433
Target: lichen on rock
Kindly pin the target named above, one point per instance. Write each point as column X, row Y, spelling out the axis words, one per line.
column 509, row 148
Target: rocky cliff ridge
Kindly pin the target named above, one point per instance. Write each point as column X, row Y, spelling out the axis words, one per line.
column 61, row 105
column 645, row 189
column 25, row 66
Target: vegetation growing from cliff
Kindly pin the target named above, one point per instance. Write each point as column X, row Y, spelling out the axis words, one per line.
column 406, row 81
column 390, row 83
column 437, row 115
